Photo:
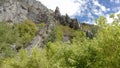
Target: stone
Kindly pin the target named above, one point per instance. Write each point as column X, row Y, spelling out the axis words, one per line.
column 21, row 10
column 57, row 13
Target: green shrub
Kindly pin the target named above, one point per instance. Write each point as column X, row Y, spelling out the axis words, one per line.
column 7, row 39
column 23, row 60
column 26, row 32
column 13, row 36
column 103, row 51
column 40, row 25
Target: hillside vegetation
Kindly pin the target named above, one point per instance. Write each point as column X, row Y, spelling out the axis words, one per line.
column 79, row 51
column 14, row 37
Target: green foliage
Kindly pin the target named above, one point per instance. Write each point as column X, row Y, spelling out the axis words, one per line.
column 52, row 36
column 56, row 34
column 112, row 16
column 26, row 32
column 103, row 51
column 13, row 36
column 101, row 21
column 7, row 39
column 60, row 31
column 40, row 25
column 23, row 60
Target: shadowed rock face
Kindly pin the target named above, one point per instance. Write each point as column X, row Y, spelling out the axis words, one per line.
column 19, row 10
column 57, row 13
column 65, row 19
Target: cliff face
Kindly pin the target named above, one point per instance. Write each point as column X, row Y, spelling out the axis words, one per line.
column 19, row 10
column 16, row 11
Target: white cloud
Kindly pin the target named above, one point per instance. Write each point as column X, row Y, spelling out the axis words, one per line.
column 103, row 8
column 116, row 1
column 98, row 12
column 73, row 7
column 110, row 20
column 66, row 6
column 117, row 14
column 79, row 8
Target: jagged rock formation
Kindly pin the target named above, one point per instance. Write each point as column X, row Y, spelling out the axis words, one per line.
column 57, row 13
column 16, row 11
column 66, row 20
column 20, row 10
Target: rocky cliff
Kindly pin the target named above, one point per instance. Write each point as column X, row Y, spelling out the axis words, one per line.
column 19, row 10
column 16, row 11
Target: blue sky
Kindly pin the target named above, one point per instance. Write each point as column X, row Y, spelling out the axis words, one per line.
column 84, row 10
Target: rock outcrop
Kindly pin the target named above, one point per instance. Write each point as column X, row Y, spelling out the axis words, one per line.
column 65, row 19
column 57, row 13
column 16, row 11
column 41, row 37
column 19, row 10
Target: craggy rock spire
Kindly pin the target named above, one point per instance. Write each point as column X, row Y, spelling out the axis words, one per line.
column 65, row 19
column 57, row 13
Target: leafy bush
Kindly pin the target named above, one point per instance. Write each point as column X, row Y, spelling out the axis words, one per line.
column 26, row 32
column 7, row 39
column 12, row 36
column 23, row 60
column 103, row 51
column 40, row 25
column 58, row 33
